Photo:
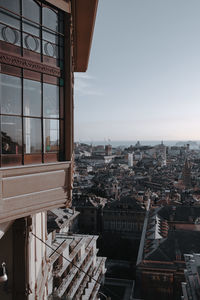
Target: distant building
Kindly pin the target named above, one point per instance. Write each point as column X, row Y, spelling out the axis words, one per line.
column 108, row 149
column 186, row 174
column 191, row 287
column 130, row 159
column 125, row 216
column 90, row 208
column 160, row 264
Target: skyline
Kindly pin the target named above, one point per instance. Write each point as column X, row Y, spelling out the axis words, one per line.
column 143, row 77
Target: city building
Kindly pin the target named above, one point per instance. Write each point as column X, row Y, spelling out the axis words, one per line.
column 75, row 271
column 42, row 44
column 191, row 287
column 125, row 217
column 186, row 175
column 160, row 263
column 130, row 159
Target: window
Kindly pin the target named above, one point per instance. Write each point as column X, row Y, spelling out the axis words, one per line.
column 32, row 98
column 10, row 94
column 30, row 121
column 32, row 104
column 35, row 27
column 31, row 28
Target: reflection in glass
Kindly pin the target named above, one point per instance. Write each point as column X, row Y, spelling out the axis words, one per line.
column 11, row 134
column 51, row 100
column 32, row 135
column 32, row 98
column 10, row 94
column 51, row 135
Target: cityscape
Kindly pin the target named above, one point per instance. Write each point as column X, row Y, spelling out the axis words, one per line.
column 99, row 150
column 144, row 203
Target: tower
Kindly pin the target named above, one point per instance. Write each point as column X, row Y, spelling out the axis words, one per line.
column 186, row 174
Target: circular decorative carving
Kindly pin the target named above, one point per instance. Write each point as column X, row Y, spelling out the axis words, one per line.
column 31, row 42
column 10, row 35
column 49, row 49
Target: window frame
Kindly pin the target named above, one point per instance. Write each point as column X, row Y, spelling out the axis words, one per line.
column 51, row 74
column 46, row 157
column 22, row 36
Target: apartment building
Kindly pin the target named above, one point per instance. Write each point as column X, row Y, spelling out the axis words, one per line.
column 42, row 43
column 75, row 271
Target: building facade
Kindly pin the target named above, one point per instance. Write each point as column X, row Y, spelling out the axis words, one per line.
column 161, row 263
column 42, row 44
column 75, row 271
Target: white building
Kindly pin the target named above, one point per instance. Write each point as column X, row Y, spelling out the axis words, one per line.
column 130, row 159
column 75, row 271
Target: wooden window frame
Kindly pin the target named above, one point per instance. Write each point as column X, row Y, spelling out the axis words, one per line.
column 33, row 158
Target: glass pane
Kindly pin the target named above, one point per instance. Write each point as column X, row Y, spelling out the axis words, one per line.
column 51, row 100
column 50, row 18
column 11, row 133
column 31, row 41
column 10, row 94
column 8, row 17
column 49, row 45
column 32, row 98
column 51, row 135
column 32, row 135
column 11, row 5
column 51, row 40
column 49, row 36
column 31, row 10
column 8, row 34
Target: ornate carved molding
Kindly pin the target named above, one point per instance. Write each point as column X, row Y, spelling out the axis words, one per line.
column 28, row 64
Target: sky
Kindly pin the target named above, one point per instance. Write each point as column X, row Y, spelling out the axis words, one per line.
column 143, row 78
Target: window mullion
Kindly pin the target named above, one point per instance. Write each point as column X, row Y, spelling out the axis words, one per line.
column 22, row 115
column 42, row 121
column 21, row 29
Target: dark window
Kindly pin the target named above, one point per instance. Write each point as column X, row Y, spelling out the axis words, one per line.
column 39, row 128
column 11, row 140
column 11, row 130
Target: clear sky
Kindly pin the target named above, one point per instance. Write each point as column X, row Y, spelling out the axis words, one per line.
column 143, row 79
